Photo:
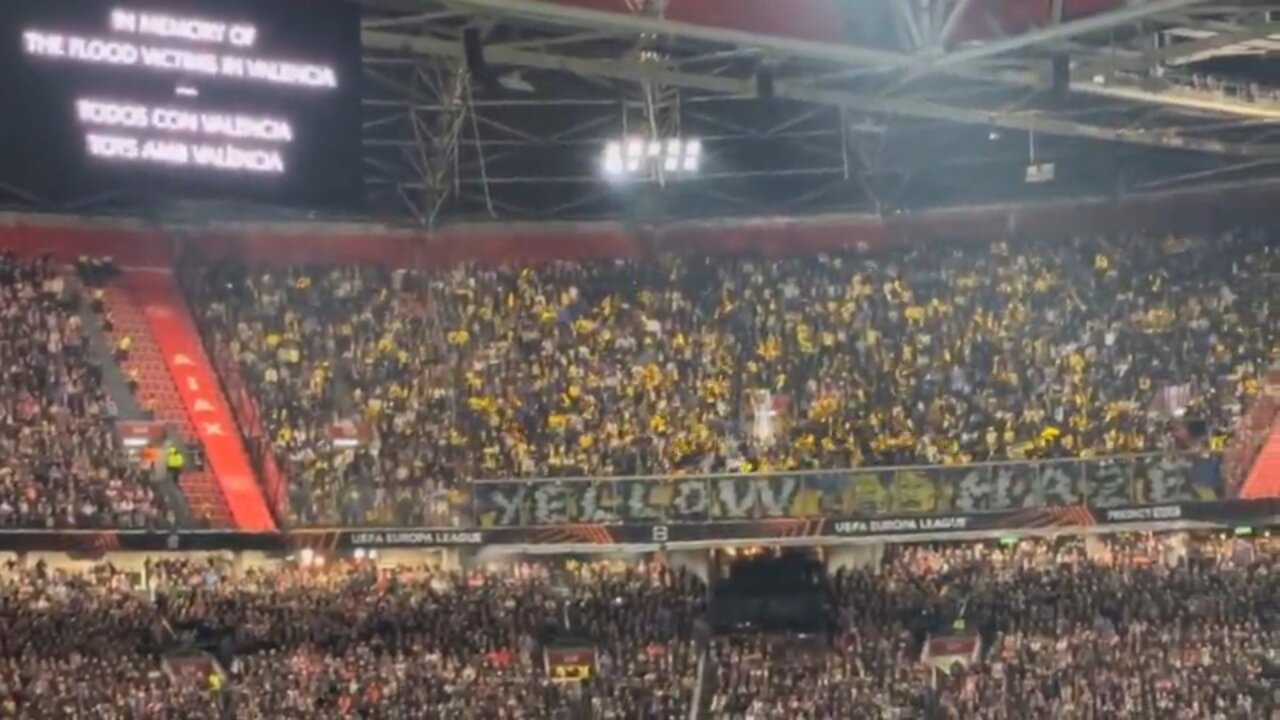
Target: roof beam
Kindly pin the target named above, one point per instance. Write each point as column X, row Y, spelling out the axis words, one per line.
column 1183, row 50
column 649, row 72
column 400, row 21
column 1094, row 23
column 944, row 35
column 572, row 16
column 1173, row 52
column 847, row 56
column 1181, row 98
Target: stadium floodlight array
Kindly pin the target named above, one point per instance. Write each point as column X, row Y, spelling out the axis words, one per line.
column 635, row 158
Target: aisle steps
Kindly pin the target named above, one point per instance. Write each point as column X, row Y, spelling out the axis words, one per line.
column 156, row 389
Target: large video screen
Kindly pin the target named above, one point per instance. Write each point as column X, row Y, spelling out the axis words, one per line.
column 220, row 99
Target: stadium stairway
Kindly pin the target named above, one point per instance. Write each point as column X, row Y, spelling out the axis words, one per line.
column 114, row 380
column 127, row 409
column 199, row 394
column 158, row 393
column 1263, row 479
column 147, row 306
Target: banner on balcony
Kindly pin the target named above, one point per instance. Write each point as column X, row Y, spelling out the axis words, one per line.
column 1215, row 515
column 1101, row 483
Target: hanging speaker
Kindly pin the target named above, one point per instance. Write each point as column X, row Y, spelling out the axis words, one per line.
column 1061, row 74
column 473, row 51
column 764, row 83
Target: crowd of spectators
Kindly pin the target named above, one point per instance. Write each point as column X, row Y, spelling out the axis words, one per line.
column 84, row 646
column 1128, row 629
column 1131, row 631
column 61, row 463
column 932, row 354
column 349, row 640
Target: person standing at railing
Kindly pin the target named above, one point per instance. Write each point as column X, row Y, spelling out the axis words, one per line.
column 174, row 462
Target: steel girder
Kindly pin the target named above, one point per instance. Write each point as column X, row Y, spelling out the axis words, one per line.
column 635, row 71
column 869, row 87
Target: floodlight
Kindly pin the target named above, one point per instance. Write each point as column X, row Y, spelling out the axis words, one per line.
column 613, row 159
column 692, row 155
column 635, row 157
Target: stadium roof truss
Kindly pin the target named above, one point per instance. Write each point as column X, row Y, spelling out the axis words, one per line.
column 1157, row 93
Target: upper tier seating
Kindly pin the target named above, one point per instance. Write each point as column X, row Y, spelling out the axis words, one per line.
column 931, row 354
column 61, row 464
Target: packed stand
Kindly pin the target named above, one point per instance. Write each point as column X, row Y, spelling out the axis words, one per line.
column 348, row 641
column 1131, row 628
column 85, row 646
column 61, row 463
column 931, row 355
column 1129, row 632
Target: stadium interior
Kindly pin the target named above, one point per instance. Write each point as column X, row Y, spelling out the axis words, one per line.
column 680, row 360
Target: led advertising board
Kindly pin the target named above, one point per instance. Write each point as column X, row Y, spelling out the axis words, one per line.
column 224, row 99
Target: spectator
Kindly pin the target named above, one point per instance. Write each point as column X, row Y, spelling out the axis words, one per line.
column 347, row 641
column 62, row 465
column 1133, row 631
column 1141, row 626
column 123, row 346
column 676, row 364
column 174, row 462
